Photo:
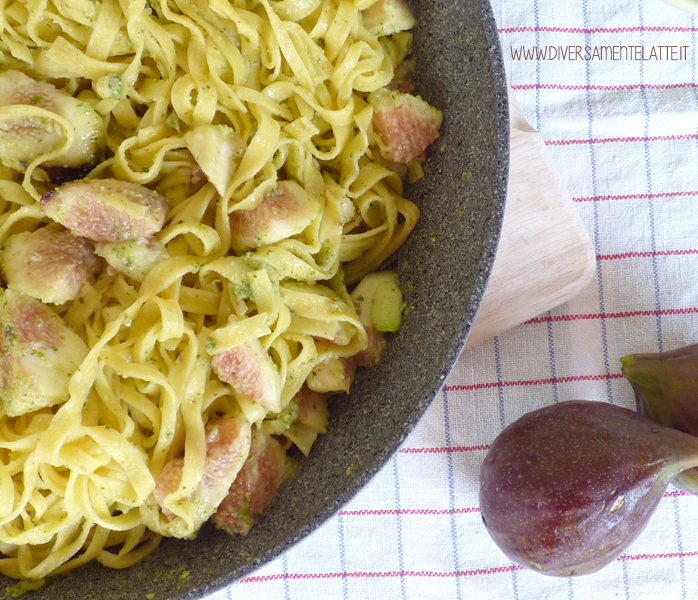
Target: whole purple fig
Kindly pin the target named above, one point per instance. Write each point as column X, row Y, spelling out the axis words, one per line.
column 666, row 391
column 565, row 489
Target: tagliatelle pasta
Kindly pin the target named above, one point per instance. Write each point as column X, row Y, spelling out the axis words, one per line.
column 195, row 339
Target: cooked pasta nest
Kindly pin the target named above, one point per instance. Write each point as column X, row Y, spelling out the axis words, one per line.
column 290, row 80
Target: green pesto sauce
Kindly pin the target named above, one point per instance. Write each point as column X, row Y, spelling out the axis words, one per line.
column 22, row 587
column 116, row 88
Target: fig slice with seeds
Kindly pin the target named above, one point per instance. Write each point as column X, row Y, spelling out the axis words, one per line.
column 107, row 210
column 251, row 372
column 25, row 138
column 49, row 265
column 134, row 258
column 38, row 355
column 283, row 213
column 255, row 486
column 227, row 447
column 405, row 124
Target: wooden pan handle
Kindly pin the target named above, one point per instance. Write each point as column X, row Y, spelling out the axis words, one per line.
column 545, row 256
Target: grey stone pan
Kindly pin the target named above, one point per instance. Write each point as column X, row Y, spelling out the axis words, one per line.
column 445, row 265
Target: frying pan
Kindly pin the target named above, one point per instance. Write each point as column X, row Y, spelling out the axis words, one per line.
column 444, row 267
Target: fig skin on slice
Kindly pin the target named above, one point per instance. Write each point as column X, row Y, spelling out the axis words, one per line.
column 566, row 488
column 49, row 265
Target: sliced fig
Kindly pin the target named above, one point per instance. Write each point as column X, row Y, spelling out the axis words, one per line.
column 332, row 375
column 343, row 332
column 59, row 175
column 39, row 354
column 251, row 372
column 405, row 124
column 312, row 409
column 283, row 213
column 311, row 420
column 51, row 266
column 216, row 150
column 374, row 351
column 363, row 297
column 379, row 301
column 402, row 77
column 386, row 17
column 25, row 138
column 254, row 488
column 227, row 446
column 134, row 258
column 107, row 210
